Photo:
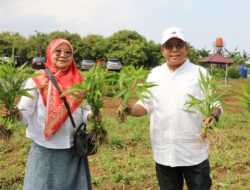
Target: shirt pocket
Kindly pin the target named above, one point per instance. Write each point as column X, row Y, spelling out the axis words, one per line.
column 191, row 87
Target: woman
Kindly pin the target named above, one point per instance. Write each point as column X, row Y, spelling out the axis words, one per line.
column 52, row 164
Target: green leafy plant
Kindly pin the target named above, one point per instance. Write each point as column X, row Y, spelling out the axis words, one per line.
column 94, row 87
column 212, row 100
column 233, row 72
column 131, row 84
column 11, row 80
column 244, row 96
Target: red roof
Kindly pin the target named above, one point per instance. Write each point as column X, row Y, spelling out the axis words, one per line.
column 216, row 58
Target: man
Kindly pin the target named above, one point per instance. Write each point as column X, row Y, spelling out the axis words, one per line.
column 175, row 134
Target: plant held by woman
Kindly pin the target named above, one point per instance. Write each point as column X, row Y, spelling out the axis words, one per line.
column 94, row 87
column 11, row 80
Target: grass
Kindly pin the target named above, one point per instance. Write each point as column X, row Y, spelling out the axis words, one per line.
column 229, row 153
column 126, row 161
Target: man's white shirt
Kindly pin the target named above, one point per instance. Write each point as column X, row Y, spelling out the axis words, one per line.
column 174, row 133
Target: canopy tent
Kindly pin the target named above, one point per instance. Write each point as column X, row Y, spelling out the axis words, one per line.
column 219, row 60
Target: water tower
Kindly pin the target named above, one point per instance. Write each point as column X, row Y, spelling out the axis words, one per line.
column 218, row 45
column 217, row 59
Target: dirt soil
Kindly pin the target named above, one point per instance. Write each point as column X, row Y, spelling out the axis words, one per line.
column 232, row 104
column 111, row 105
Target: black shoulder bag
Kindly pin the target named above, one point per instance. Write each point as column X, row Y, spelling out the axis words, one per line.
column 83, row 142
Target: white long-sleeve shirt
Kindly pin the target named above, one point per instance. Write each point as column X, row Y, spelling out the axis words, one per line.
column 34, row 114
column 174, row 133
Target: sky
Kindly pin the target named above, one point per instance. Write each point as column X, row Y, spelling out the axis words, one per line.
column 201, row 20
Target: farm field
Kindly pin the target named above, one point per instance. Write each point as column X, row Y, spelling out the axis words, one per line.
column 126, row 162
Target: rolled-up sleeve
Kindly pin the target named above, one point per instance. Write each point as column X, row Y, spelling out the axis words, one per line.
column 27, row 105
column 85, row 116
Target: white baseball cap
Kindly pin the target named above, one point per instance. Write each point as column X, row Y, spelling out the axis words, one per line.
column 173, row 32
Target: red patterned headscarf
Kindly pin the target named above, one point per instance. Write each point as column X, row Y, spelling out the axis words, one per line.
column 66, row 78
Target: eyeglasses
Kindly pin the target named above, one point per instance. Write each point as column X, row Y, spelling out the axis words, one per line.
column 178, row 46
column 58, row 52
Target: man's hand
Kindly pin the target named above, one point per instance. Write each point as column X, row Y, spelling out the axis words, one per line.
column 123, row 108
column 207, row 121
column 122, row 112
column 213, row 117
column 135, row 110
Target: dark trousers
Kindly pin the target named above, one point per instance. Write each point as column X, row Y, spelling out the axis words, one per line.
column 197, row 177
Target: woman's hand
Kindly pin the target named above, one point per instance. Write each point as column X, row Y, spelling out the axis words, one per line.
column 92, row 117
column 5, row 112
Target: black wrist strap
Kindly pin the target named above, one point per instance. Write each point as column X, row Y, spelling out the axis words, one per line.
column 53, row 80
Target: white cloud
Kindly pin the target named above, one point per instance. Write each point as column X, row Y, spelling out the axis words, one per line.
column 203, row 21
column 83, row 11
column 83, row 16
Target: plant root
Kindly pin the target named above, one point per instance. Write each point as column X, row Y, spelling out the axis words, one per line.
column 5, row 134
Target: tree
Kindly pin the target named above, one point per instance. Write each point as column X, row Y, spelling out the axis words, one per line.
column 153, row 54
column 245, row 56
column 8, row 41
column 93, row 47
column 196, row 55
column 238, row 57
column 37, row 44
column 128, row 46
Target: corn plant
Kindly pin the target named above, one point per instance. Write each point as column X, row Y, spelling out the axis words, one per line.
column 131, row 84
column 111, row 80
column 11, row 80
column 94, row 87
column 212, row 100
column 244, row 96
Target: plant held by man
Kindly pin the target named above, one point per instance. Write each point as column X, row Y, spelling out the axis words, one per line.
column 131, row 84
column 211, row 102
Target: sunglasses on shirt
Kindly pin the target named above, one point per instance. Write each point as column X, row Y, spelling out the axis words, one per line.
column 178, row 46
column 58, row 52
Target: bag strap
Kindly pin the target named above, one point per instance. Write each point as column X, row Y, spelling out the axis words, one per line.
column 53, row 80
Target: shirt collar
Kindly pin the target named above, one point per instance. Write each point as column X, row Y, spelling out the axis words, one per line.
column 183, row 66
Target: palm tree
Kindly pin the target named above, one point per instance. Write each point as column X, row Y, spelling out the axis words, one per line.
column 246, row 56
column 238, row 57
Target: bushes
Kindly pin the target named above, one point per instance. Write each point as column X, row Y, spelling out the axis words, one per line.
column 233, row 72
column 216, row 73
